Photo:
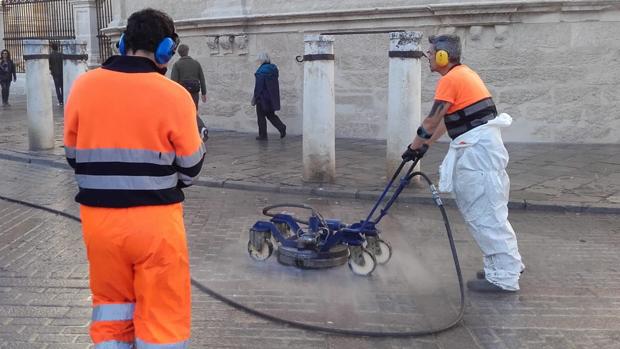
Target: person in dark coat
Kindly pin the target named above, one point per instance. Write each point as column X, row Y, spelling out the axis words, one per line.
column 7, row 73
column 267, row 97
column 188, row 73
column 55, row 62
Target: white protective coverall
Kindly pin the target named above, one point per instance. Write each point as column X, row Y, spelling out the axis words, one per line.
column 475, row 171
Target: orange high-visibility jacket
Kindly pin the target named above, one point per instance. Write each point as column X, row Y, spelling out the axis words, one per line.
column 131, row 138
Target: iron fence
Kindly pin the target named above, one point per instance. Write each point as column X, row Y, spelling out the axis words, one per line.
column 104, row 17
column 35, row 19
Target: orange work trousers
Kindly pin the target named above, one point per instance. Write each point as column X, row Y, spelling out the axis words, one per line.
column 139, row 276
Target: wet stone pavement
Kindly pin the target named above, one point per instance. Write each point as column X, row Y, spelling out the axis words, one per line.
column 570, row 296
column 543, row 176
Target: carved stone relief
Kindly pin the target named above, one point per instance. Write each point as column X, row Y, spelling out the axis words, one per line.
column 213, row 44
column 228, row 44
column 501, row 35
column 241, row 44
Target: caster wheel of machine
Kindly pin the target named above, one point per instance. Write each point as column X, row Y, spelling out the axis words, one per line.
column 361, row 261
column 382, row 251
column 260, row 255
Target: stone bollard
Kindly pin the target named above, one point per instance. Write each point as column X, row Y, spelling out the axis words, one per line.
column 39, row 95
column 319, row 110
column 404, row 95
column 75, row 63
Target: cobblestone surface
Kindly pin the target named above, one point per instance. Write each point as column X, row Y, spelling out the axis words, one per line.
column 570, row 176
column 570, row 295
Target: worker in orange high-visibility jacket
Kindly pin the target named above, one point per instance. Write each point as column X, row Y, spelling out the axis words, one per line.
column 131, row 136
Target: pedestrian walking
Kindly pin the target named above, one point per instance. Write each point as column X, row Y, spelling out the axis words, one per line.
column 266, row 97
column 188, row 72
column 130, row 134
column 7, row 74
column 55, row 62
column 475, row 167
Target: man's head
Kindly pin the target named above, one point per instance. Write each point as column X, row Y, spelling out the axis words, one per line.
column 146, row 29
column 444, row 52
column 183, row 50
column 54, row 46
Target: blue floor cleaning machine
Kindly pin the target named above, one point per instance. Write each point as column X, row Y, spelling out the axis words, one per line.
column 323, row 243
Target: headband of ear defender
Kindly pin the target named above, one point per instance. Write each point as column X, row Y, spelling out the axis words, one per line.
column 442, row 58
column 164, row 51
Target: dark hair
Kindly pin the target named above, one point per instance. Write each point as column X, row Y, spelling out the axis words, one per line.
column 449, row 43
column 7, row 52
column 183, row 50
column 146, row 29
column 54, row 46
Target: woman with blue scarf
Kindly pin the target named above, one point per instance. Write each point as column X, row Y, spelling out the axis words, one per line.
column 267, row 97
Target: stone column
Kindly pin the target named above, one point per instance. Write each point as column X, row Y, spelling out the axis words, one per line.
column 39, row 95
column 85, row 21
column 74, row 59
column 119, row 13
column 404, row 95
column 319, row 110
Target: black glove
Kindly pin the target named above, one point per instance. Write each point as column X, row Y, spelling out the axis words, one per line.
column 414, row 154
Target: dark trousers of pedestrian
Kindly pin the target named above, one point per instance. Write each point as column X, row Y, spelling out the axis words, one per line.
column 263, row 115
column 195, row 97
column 6, row 86
column 59, row 95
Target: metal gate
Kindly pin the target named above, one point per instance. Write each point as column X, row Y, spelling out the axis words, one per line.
column 35, row 19
column 104, row 17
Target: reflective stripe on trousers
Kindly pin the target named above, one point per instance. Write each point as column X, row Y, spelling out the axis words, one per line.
column 140, row 345
column 114, row 345
column 143, row 345
column 113, row 312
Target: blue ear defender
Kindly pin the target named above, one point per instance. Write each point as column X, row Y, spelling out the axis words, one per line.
column 165, row 50
column 163, row 53
column 121, row 45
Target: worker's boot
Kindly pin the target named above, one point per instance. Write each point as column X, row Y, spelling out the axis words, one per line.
column 484, row 286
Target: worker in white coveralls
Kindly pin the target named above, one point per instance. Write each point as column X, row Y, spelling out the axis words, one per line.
column 475, row 167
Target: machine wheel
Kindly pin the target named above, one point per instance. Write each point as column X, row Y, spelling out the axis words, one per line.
column 381, row 249
column 361, row 261
column 261, row 254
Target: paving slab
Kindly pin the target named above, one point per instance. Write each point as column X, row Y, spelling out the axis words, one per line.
column 569, row 298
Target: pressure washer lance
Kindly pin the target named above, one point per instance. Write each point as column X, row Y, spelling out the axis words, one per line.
column 304, row 326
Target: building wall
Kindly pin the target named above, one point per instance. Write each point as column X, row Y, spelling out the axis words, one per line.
column 552, row 65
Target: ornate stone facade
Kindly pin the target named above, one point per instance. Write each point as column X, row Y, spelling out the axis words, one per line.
column 547, row 63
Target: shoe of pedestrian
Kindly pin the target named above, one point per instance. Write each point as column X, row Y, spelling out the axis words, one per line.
column 283, row 132
column 261, row 138
column 484, row 286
